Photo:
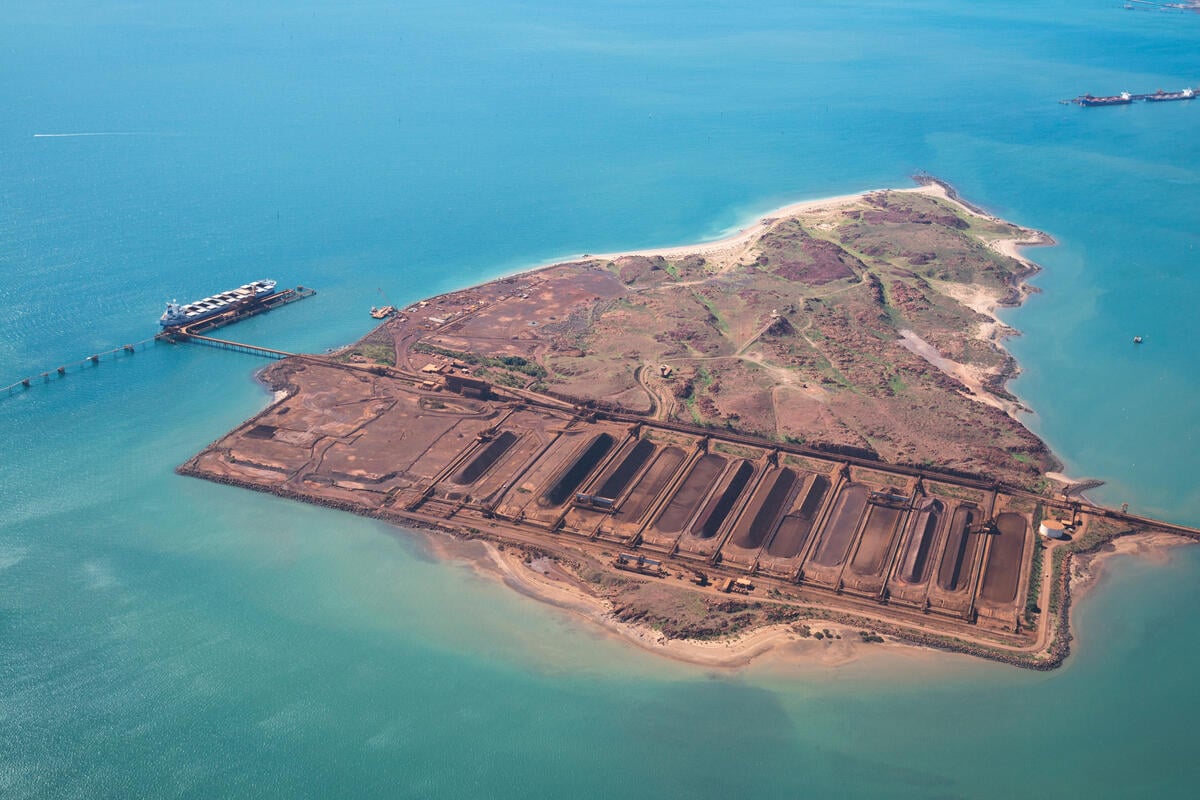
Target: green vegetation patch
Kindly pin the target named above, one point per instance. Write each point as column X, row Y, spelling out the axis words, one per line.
column 513, row 363
column 502, row 378
column 1023, row 505
column 1035, row 580
column 720, row 322
column 807, row 464
column 956, row 492
column 737, row 450
column 378, row 353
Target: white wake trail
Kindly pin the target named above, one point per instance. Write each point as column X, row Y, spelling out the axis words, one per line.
column 94, row 133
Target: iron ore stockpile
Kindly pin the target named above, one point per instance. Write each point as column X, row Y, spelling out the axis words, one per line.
column 385, row 446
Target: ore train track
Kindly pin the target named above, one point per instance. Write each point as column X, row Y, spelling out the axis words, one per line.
column 586, row 409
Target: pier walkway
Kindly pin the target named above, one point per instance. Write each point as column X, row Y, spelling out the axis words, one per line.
column 90, row 361
column 1136, row 521
column 226, row 344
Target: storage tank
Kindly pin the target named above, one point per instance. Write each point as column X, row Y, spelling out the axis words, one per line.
column 1053, row 529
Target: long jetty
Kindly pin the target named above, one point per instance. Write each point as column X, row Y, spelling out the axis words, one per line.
column 61, row 371
column 226, row 344
column 186, row 333
column 1155, row 5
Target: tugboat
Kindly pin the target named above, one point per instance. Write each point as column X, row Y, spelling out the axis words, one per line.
column 386, row 310
column 383, row 313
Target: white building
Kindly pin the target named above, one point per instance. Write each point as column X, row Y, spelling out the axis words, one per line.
column 1053, row 529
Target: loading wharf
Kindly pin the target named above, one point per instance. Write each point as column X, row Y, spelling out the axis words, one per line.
column 196, row 330
column 908, row 547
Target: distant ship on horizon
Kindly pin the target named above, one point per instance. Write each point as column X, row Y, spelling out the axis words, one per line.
column 1160, row 96
column 1125, row 98
column 1122, row 99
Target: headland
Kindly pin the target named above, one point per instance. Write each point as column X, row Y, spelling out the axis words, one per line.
column 800, row 431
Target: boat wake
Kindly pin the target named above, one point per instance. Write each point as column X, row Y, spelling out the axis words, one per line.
column 96, row 133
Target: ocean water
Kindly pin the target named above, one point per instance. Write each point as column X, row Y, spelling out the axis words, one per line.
column 166, row 637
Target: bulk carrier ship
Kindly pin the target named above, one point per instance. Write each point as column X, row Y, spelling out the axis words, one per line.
column 1122, row 99
column 1161, row 97
column 1125, row 98
column 177, row 315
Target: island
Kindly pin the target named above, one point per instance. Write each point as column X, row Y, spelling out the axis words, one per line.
column 801, row 431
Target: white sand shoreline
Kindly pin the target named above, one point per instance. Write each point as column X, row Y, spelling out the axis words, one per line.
column 779, row 644
column 1156, row 546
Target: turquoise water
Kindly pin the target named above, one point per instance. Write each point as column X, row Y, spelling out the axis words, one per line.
column 166, row 637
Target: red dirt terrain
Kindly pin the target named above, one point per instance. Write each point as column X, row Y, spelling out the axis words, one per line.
column 843, row 327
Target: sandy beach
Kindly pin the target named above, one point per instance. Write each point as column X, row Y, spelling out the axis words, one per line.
column 782, row 645
column 546, row 581
column 1089, row 569
column 744, row 236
